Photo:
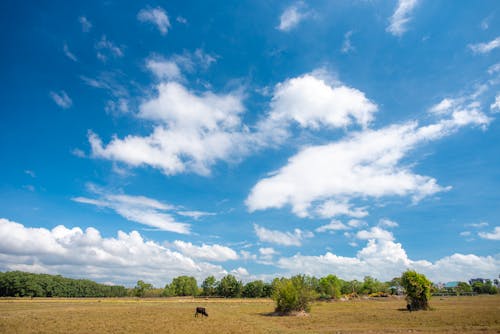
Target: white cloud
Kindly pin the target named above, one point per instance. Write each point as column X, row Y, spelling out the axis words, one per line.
column 334, row 225
column 86, row 24
column 313, row 102
column 495, row 106
column 85, row 253
column 384, row 222
column 385, row 259
column 281, row 238
column 139, row 209
column 68, row 53
column 215, row 252
column 494, row 68
column 495, row 235
column 195, row 214
column 292, row 16
column 194, row 132
column 171, row 68
column 365, row 164
column 157, row 16
column 164, row 69
column 346, row 44
column 485, row 47
column 181, row 19
column 401, row 17
column 109, row 48
column 61, row 99
column 330, row 209
column 375, row 233
column 478, row 225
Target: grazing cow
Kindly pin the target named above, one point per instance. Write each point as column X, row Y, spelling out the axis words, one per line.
column 202, row 311
column 409, row 307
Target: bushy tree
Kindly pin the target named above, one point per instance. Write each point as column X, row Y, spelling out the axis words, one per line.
column 253, row 289
column 230, row 287
column 418, row 289
column 330, row 286
column 209, row 286
column 184, row 286
column 141, row 287
column 463, row 287
column 293, row 294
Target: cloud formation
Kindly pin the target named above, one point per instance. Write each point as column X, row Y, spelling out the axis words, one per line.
column 281, row 238
column 487, row 47
column 402, row 15
column 363, row 165
column 85, row 253
column 61, row 99
column 494, row 235
column 157, row 16
column 215, row 252
column 139, row 209
column 292, row 16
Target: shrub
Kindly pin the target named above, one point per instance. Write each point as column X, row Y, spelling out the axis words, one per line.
column 293, row 294
column 418, row 290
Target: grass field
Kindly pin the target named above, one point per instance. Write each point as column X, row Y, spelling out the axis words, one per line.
column 478, row 314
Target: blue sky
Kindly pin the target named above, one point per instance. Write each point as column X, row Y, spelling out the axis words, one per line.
column 262, row 139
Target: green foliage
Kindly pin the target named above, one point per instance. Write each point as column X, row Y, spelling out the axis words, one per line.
column 184, row 286
column 349, row 287
column 330, row 286
column 293, row 294
column 141, row 287
column 462, row 288
column 484, row 288
column 253, row 289
column 230, row 287
column 372, row 285
column 22, row 284
column 209, row 286
column 418, row 289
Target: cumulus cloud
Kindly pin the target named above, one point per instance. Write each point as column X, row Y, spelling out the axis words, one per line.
column 313, row 102
column 292, row 16
column 485, row 47
column 61, row 99
column 494, row 235
column 215, row 252
column 139, row 209
column 193, row 132
column 334, row 225
column 362, row 165
column 375, row 233
column 157, row 16
column 172, row 68
column 384, row 259
column 294, row 238
column 85, row 253
column 384, row 222
column 495, row 106
column 329, row 209
column 402, row 15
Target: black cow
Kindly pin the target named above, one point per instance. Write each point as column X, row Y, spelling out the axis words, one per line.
column 202, row 311
column 409, row 307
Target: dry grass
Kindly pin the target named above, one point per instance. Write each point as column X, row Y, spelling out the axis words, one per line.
column 479, row 314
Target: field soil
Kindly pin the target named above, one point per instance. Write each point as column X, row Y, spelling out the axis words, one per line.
column 477, row 314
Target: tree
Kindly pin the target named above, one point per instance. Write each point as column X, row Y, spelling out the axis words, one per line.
column 253, row 289
column 209, row 286
column 184, row 286
column 418, row 290
column 141, row 287
column 229, row 286
column 462, row 288
column 293, row 294
column 330, row 286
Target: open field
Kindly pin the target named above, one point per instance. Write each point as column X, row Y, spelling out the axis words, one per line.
column 479, row 314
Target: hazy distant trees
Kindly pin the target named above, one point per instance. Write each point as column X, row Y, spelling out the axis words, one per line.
column 22, row 284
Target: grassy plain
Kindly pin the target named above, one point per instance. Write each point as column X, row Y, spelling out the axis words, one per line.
column 478, row 314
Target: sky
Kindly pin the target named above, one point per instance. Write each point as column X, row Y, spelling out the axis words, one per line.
column 149, row 140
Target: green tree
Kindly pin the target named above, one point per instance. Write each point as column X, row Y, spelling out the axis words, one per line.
column 418, row 289
column 184, row 286
column 330, row 286
column 253, row 289
column 462, row 288
column 209, row 286
column 141, row 287
column 293, row 294
column 229, row 286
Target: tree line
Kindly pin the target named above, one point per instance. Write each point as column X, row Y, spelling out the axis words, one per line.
column 23, row 284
